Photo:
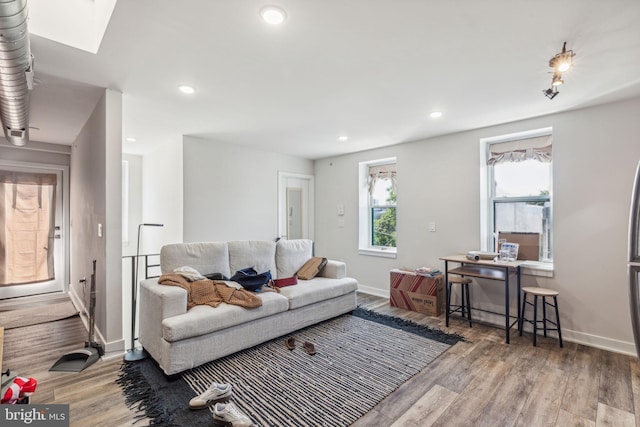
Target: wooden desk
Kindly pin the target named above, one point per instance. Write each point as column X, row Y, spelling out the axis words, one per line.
column 485, row 269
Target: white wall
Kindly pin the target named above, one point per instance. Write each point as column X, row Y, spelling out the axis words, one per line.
column 162, row 196
column 231, row 192
column 135, row 192
column 96, row 199
column 595, row 153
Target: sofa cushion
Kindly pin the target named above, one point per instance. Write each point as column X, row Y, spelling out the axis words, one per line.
column 206, row 257
column 259, row 254
column 317, row 289
column 291, row 255
column 203, row 319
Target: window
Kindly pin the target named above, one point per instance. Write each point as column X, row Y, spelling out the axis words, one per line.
column 518, row 193
column 378, row 235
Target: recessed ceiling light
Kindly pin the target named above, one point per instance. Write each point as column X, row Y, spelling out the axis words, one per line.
column 435, row 114
column 273, row 15
column 343, row 138
column 130, row 139
column 186, row 89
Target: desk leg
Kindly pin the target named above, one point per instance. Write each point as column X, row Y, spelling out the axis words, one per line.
column 506, row 304
column 446, row 293
column 519, row 289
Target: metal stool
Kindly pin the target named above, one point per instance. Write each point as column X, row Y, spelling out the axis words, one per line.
column 464, row 293
column 544, row 293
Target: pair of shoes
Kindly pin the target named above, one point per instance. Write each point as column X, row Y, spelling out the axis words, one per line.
column 214, row 394
column 308, row 347
column 227, row 414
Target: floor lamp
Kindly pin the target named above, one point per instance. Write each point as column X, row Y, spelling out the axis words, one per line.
column 134, row 354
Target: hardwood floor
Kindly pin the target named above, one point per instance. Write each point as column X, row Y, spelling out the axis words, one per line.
column 480, row 382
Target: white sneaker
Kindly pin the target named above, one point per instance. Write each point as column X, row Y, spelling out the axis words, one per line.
column 215, row 393
column 227, row 414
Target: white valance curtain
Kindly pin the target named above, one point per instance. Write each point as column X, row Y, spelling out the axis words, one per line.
column 538, row 148
column 386, row 171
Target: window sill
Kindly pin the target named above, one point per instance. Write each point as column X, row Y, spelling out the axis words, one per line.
column 540, row 269
column 384, row 253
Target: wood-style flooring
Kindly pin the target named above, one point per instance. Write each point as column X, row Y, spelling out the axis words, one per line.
column 480, row 382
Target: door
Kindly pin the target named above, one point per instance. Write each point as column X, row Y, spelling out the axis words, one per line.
column 295, row 206
column 32, row 253
column 294, row 213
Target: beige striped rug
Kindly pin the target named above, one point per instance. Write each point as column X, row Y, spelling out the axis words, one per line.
column 358, row 363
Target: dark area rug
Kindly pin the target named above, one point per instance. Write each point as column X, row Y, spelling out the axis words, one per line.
column 362, row 357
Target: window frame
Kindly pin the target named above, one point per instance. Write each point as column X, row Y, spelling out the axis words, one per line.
column 488, row 200
column 365, row 212
column 125, row 202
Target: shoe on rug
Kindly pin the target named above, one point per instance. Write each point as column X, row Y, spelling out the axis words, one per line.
column 290, row 343
column 309, row 348
column 214, row 394
column 227, row 414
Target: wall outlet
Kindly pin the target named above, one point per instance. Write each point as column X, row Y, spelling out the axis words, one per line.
column 432, row 227
column 341, row 209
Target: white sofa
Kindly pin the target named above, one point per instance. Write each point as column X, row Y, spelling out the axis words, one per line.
column 179, row 339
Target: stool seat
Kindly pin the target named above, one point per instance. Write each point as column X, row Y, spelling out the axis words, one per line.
column 542, row 292
column 459, row 279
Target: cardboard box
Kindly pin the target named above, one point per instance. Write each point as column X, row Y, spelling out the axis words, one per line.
column 529, row 244
column 417, row 293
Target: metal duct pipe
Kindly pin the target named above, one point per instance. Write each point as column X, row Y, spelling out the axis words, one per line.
column 16, row 74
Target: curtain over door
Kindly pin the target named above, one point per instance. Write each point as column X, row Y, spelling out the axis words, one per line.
column 27, row 227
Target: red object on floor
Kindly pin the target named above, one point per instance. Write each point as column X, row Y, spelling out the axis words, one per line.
column 20, row 388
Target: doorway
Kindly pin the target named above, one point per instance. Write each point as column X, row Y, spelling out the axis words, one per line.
column 295, row 206
column 32, row 230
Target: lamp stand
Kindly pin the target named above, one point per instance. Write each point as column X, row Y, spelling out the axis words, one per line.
column 134, row 354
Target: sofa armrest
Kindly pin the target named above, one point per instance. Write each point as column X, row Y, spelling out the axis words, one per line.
column 158, row 302
column 334, row 270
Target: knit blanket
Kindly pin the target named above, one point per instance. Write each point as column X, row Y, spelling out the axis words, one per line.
column 210, row 292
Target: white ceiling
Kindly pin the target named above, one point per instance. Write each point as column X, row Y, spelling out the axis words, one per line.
column 369, row 69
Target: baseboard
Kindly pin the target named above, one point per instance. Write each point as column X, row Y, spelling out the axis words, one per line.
column 604, row 343
column 113, row 347
column 568, row 335
column 383, row 293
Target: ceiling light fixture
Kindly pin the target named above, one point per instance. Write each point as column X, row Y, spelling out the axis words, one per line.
column 273, row 15
column 551, row 92
column 557, row 79
column 130, row 139
column 186, row 89
column 343, row 138
column 560, row 63
column 435, row 114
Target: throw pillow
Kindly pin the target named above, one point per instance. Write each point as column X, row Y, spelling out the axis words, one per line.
column 311, row 268
column 287, row 281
